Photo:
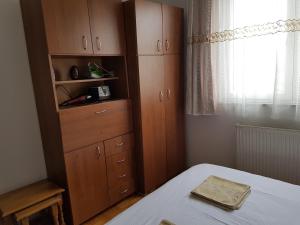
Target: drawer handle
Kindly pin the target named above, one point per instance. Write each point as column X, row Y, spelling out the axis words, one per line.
column 101, row 112
column 122, row 176
column 125, row 191
column 120, row 144
column 121, row 161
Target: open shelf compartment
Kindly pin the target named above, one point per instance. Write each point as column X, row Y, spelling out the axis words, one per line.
column 66, row 88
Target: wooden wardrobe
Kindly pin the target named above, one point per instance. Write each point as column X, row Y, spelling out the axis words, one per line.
column 89, row 149
column 155, row 67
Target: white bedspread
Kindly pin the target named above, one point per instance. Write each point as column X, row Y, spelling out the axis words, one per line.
column 271, row 202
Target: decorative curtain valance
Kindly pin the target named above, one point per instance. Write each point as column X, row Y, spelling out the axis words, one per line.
column 290, row 25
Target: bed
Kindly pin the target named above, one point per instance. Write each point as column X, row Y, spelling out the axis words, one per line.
column 271, row 202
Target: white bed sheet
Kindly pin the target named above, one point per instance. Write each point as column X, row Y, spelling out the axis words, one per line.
column 271, row 202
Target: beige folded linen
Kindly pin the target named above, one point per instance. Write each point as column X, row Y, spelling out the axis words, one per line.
column 166, row 222
column 223, row 192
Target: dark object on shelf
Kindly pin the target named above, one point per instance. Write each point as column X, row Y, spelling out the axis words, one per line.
column 74, row 72
column 100, row 93
column 79, row 100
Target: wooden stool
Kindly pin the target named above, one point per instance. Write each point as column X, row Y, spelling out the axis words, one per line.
column 19, row 205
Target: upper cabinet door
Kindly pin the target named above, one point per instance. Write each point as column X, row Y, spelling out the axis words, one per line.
column 172, row 29
column 107, row 26
column 67, row 26
column 149, row 27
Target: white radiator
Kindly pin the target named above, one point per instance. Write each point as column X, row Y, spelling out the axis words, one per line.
column 269, row 152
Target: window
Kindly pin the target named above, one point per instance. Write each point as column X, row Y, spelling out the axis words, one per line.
column 256, row 51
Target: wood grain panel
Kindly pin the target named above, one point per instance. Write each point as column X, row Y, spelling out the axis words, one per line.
column 85, row 125
column 80, row 127
column 67, row 26
column 174, row 115
column 149, row 27
column 27, row 196
column 119, row 144
column 117, row 119
column 119, row 168
column 172, row 29
column 121, row 191
column 151, row 80
column 107, row 26
column 87, row 181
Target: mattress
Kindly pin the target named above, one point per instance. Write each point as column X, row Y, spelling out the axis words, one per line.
column 271, row 202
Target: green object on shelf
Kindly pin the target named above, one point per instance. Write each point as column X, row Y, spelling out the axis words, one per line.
column 95, row 71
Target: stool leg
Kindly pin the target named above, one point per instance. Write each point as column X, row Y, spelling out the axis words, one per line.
column 25, row 221
column 54, row 210
column 61, row 214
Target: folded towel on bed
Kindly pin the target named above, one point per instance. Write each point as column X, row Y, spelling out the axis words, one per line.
column 225, row 193
column 166, row 222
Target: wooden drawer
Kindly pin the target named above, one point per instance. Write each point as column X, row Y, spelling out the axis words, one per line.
column 119, row 168
column 121, row 191
column 116, row 119
column 86, row 125
column 119, row 144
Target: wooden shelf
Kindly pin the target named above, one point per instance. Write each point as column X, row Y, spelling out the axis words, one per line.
column 62, row 108
column 84, row 81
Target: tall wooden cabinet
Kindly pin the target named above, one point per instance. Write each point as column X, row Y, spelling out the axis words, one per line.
column 154, row 37
column 89, row 148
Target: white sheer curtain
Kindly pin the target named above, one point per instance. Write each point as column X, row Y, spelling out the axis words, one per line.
column 255, row 54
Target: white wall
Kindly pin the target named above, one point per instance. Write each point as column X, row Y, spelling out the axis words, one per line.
column 210, row 139
column 21, row 154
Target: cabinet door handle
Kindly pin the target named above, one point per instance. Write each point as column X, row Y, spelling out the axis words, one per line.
column 120, row 144
column 99, row 151
column 167, row 45
column 161, row 96
column 122, row 176
column 168, row 93
column 99, row 43
column 125, row 191
column 84, row 42
column 159, row 46
column 101, row 112
column 121, row 161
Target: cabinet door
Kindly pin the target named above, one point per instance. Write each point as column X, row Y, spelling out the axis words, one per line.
column 107, row 25
column 149, row 27
column 67, row 26
column 172, row 29
column 174, row 115
column 151, row 81
column 87, row 182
